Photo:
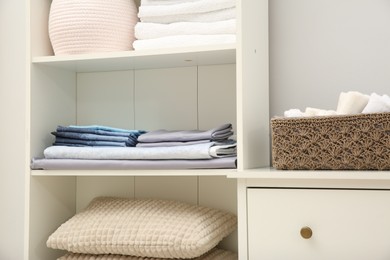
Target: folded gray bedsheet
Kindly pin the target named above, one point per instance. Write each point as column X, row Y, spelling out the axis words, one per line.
column 75, row 164
column 216, row 134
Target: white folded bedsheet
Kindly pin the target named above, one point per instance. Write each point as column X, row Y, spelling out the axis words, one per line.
column 196, row 151
column 179, row 41
column 157, row 30
column 193, row 7
column 213, row 16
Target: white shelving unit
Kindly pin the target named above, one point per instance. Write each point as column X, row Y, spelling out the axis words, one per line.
column 191, row 88
column 188, row 88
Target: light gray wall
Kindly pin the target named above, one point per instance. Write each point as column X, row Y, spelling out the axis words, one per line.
column 319, row 48
column 12, row 127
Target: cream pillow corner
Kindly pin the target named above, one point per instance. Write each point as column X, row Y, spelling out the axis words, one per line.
column 144, row 228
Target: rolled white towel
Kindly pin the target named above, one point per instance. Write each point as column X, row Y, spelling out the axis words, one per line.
column 310, row 111
column 145, row 31
column 377, row 104
column 183, row 41
column 294, row 112
column 351, row 102
column 201, row 6
column 218, row 15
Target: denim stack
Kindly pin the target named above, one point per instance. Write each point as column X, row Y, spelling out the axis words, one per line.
column 95, row 135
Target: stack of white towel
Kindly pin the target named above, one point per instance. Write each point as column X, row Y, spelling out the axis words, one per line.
column 349, row 103
column 184, row 23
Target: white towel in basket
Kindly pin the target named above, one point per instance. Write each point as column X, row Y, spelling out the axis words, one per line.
column 377, row 104
column 351, row 102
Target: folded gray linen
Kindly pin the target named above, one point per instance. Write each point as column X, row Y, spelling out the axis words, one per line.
column 216, row 134
column 195, row 151
column 77, row 164
column 162, row 144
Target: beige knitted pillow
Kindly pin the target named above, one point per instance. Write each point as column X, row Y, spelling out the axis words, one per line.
column 147, row 228
column 214, row 254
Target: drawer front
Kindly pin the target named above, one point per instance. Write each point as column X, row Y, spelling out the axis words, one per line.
column 335, row 224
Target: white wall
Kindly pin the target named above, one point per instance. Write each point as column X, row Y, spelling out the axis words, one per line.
column 319, row 48
column 12, row 127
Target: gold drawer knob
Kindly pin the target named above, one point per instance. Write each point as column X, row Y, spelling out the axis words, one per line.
column 306, row 232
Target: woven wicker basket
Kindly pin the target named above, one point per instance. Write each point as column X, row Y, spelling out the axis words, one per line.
column 87, row 26
column 351, row 142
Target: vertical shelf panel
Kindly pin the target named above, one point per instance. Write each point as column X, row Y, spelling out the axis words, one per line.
column 172, row 188
column 252, row 84
column 106, row 98
column 166, row 98
column 220, row 193
column 52, row 203
column 90, row 187
column 216, row 95
column 53, row 102
column 40, row 43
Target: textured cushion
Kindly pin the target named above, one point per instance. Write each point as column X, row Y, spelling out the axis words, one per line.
column 148, row 228
column 214, row 254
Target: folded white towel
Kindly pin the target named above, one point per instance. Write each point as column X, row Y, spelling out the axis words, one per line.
column 165, row 2
column 183, row 41
column 145, row 31
column 351, row 102
column 201, row 6
column 218, row 15
column 377, row 104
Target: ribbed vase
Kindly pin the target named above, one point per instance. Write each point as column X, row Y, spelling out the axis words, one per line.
column 88, row 26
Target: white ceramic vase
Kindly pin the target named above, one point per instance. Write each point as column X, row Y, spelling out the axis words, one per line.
column 91, row 26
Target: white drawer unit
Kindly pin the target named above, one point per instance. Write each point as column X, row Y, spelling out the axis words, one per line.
column 313, row 215
column 318, row 224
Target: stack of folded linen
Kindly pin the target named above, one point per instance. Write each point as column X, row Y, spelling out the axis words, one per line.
column 161, row 149
column 183, row 23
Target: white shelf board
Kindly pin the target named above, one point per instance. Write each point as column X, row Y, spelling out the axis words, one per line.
column 272, row 173
column 328, row 179
column 147, row 59
column 96, row 173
